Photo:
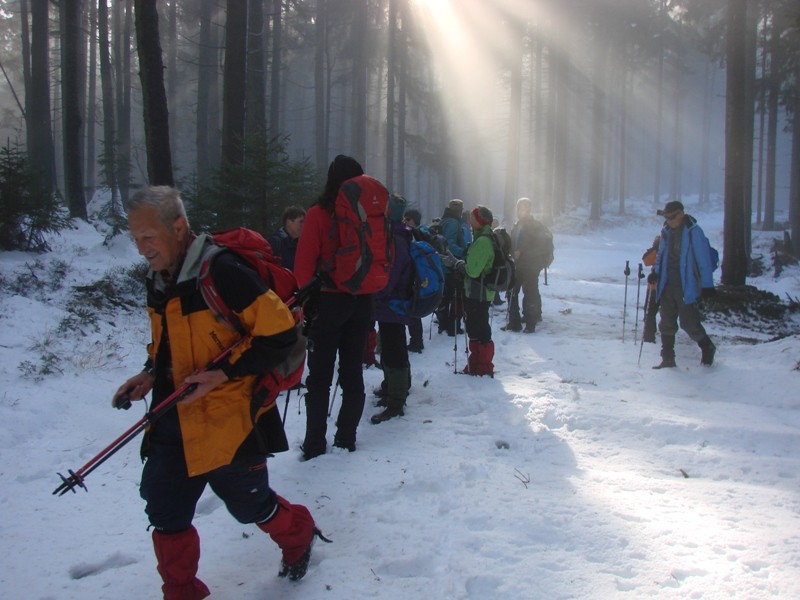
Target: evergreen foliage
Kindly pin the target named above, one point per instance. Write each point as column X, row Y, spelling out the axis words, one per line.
column 28, row 209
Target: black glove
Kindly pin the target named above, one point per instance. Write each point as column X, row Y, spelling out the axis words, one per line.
column 311, row 310
column 652, row 279
column 708, row 293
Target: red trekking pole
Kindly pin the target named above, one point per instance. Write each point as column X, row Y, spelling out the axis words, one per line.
column 76, row 478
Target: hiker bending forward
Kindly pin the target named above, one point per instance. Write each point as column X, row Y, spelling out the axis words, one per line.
column 210, row 437
column 684, row 274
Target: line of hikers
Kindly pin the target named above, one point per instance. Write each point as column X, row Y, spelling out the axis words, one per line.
column 218, row 437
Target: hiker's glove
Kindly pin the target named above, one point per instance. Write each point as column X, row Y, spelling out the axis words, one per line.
column 459, row 267
column 708, row 293
column 652, row 279
column 448, row 260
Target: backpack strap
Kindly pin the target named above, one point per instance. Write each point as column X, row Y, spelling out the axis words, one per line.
column 211, row 294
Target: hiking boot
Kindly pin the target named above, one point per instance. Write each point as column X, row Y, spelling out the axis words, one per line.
column 417, row 347
column 666, row 363
column 311, row 453
column 708, row 349
column 530, row 328
column 512, row 327
column 381, row 391
column 345, row 443
column 389, row 413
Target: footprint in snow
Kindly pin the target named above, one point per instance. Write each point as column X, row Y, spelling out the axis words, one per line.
column 114, row 561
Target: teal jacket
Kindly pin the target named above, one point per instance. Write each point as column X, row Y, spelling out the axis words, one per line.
column 478, row 262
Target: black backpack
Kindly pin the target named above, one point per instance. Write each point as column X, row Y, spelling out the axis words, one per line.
column 501, row 277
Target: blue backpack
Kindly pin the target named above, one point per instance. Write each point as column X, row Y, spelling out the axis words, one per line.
column 427, row 285
column 714, row 257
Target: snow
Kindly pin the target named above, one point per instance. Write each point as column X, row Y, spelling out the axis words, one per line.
column 577, row 472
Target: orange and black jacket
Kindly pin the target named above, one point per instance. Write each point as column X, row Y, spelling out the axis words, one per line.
column 186, row 336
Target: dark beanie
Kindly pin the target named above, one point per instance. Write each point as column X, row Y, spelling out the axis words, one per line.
column 343, row 168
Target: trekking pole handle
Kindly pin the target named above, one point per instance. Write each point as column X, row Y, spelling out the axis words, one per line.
column 641, row 271
column 627, row 268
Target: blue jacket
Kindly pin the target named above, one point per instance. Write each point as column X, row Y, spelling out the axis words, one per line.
column 400, row 277
column 456, row 232
column 695, row 260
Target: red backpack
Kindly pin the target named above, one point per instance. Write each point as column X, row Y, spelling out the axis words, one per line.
column 256, row 252
column 363, row 237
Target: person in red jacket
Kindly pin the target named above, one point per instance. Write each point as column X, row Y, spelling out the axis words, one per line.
column 340, row 326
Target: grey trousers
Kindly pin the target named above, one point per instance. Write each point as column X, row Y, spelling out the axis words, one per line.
column 673, row 310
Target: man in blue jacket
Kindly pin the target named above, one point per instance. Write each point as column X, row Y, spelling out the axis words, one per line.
column 684, row 274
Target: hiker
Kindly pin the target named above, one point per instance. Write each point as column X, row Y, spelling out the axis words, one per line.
column 683, row 273
column 209, row 438
column 413, row 219
column 340, row 327
column 284, row 240
column 391, row 325
column 477, row 297
column 532, row 252
column 452, row 228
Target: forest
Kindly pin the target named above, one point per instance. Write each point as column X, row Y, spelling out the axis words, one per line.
column 243, row 103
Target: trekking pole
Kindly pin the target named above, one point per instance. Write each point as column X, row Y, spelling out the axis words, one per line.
column 647, row 293
column 76, row 478
column 545, row 275
column 625, row 304
column 333, row 396
column 638, row 292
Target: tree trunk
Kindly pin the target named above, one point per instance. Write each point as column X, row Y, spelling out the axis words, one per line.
column 255, row 113
column 623, row 139
column 108, row 159
column 391, row 75
column 705, row 158
column 154, row 96
column 123, row 13
column 734, row 264
column 26, row 66
column 359, row 79
column 206, row 74
column 402, row 94
column 794, row 182
column 598, row 130
column 659, row 111
column 71, row 69
column 91, row 103
column 172, row 74
column 37, row 95
column 233, row 85
column 773, row 92
column 517, row 34
column 320, row 85
column 275, row 71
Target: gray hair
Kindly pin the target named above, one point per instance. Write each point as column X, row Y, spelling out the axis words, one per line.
column 166, row 199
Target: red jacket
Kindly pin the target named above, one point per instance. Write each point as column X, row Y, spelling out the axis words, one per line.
column 316, row 245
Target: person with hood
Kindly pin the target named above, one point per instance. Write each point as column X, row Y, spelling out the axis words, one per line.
column 284, row 240
column 683, row 274
column 211, row 437
column 452, row 228
column 477, row 297
column 340, row 326
column 391, row 325
column 532, row 247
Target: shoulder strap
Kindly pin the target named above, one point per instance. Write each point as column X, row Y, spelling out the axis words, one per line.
column 211, row 294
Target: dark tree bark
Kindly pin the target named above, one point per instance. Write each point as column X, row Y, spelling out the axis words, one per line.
column 391, row 104
column 233, row 84
column 659, row 109
column 359, row 79
column 734, row 265
column 154, row 96
column 320, row 85
column 773, row 92
column 37, row 95
column 91, row 103
column 207, row 69
column 123, row 13
column 256, row 86
column 71, row 68
column 172, row 73
column 109, row 159
column 794, row 183
column 402, row 94
column 275, row 70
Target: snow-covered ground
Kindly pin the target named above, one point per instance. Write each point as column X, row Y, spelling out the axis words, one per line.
column 577, row 472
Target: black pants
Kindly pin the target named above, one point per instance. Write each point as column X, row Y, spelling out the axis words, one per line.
column 449, row 312
column 394, row 352
column 477, row 320
column 673, row 309
column 172, row 495
column 415, row 332
column 341, row 328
